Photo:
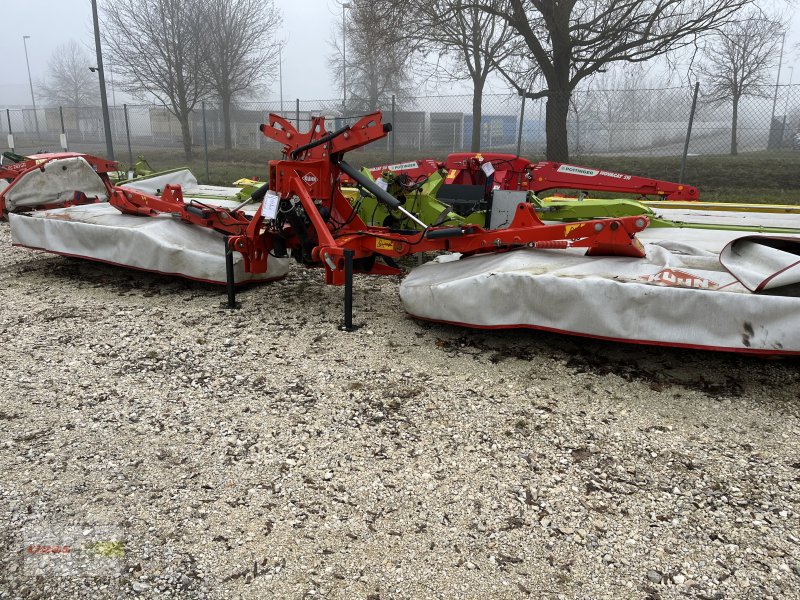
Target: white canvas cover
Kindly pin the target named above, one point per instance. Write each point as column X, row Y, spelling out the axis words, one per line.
column 155, row 185
column 763, row 263
column 679, row 295
column 54, row 183
column 160, row 244
column 184, row 178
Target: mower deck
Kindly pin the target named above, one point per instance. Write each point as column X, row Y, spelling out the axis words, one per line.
column 160, row 244
column 679, row 295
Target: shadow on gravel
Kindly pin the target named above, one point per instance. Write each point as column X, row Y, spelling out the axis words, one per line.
column 74, row 272
column 716, row 374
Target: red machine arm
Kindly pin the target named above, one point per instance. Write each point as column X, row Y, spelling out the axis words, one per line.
column 553, row 175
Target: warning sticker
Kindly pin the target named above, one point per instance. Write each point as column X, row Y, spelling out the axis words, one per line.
column 381, row 244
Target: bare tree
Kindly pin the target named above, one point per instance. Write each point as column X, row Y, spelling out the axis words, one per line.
column 475, row 40
column 158, row 47
column 378, row 56
column 567, row 41
column 737, row 62
column 68, row 81
column 237, row 58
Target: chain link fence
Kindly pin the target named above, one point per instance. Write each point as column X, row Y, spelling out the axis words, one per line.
column 628, row 122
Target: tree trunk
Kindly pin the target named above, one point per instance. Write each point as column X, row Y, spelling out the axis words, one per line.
column 477, row 114
column 557, row 111
column 734, row 127
column 186, row 134
column 225, row 100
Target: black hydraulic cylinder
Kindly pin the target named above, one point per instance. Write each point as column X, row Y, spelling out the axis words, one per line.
column 203, row 213
column 324, row 139
column 447, row 232
column 382, row 195
column 259, row 194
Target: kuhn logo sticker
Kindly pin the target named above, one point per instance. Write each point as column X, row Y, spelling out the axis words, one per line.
column 676, row 278
column 310, row 178
column 577, row 170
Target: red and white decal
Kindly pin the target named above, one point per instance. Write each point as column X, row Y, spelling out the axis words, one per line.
column 676, row 278
column 310, row 178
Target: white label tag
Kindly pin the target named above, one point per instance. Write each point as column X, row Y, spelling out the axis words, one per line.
column 382, row 183
column 488, row 168
column 573, row 170
column 63, row 138
column 402, row 166
column 10, row 141
column 269, row 207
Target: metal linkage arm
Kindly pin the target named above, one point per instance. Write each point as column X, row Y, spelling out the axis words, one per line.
column 318, row 143
column 171, row 202
column 553, row 175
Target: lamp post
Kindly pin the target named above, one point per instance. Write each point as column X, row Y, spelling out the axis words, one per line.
column 280, row 73
column 30, row 82
column 344, row 58
column 103, row 97
column 786, row 105
column 777, row 82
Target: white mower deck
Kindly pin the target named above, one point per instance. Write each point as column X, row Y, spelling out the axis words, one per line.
column 159, row 244
column 679, row 295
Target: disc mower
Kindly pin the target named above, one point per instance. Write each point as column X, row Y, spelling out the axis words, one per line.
column 303, row 213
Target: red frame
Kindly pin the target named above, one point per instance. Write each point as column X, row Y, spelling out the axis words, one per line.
column 311, row 176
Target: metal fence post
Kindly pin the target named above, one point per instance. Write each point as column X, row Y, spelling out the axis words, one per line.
column 64, row 144
column 128, row 136
column 10, row 133
column 297, row 114
column 394, row 126
column 689, row 132
column 521, row 121
column 205, row 139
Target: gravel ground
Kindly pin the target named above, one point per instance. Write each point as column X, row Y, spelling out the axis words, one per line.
column 262, row 453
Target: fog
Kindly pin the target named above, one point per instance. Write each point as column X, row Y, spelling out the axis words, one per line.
column 308, row 26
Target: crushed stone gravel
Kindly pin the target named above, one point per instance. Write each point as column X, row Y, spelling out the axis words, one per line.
column 263, row 453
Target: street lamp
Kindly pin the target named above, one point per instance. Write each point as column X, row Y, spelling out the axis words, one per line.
column 111, row 80
column 344, row 58
column 99, row 68
column 280, row 72
column 30, row 81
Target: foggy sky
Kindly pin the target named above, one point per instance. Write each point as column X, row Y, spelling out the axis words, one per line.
column 308, row 26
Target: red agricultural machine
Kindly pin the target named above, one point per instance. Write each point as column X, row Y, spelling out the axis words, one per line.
column 303, row 213
column 510, row 172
